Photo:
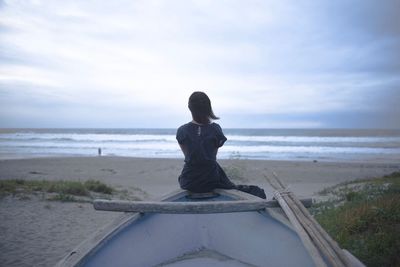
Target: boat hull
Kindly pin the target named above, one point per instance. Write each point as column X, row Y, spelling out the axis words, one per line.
column 256, row 238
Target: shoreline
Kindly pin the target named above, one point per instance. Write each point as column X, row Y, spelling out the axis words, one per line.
column 41, row 232
column 386, row 159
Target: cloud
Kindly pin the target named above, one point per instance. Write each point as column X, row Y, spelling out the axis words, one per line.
column 262, row 59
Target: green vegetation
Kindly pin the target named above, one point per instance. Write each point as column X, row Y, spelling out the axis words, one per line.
column 364, row 217
column 76, row 188
column 236, row 172
column 97, row 186
column 59, row 190
column 63, row 198
column 233, row 172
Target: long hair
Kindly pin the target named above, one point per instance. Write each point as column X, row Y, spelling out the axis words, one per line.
column 200, row 107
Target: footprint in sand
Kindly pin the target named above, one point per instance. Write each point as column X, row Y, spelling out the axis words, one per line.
column 109, row 170
column 35, row 172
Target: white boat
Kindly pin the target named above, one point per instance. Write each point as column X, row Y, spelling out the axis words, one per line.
column 246, row 238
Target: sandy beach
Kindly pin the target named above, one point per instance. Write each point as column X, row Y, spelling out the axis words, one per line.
column 36, row 232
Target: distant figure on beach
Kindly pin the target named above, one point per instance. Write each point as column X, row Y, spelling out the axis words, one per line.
column 199, row 141
column 99, row 151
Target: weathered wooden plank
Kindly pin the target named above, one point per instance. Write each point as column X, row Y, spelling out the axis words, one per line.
column 180, row 207
column 332, row 243
column 325, row 244
column 281, row 195
column 318, row 239
column 304, row 237
column 186, row 207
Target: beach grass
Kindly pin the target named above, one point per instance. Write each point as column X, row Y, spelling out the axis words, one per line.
column 58, row 189
column 363, row 216
column 97, row 186
column 236, row 172
column 63, row 198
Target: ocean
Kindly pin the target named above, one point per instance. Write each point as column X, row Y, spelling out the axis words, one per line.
column 268, row 144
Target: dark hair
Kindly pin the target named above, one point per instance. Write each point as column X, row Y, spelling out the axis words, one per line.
column 200, row 107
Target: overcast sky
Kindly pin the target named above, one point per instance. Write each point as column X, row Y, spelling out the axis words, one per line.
column 269, row 64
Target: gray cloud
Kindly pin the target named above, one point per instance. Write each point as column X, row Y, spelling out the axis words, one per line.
column 367, row 29
column 316, row 64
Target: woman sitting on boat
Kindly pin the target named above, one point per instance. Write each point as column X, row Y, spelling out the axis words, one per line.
column 199, row 141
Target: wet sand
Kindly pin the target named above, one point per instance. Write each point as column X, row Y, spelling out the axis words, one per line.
column 36, row 232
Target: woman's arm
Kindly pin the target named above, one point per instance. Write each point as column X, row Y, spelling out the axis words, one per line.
column 184, row 149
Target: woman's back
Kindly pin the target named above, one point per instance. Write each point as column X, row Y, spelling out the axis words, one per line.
column 201, row 141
